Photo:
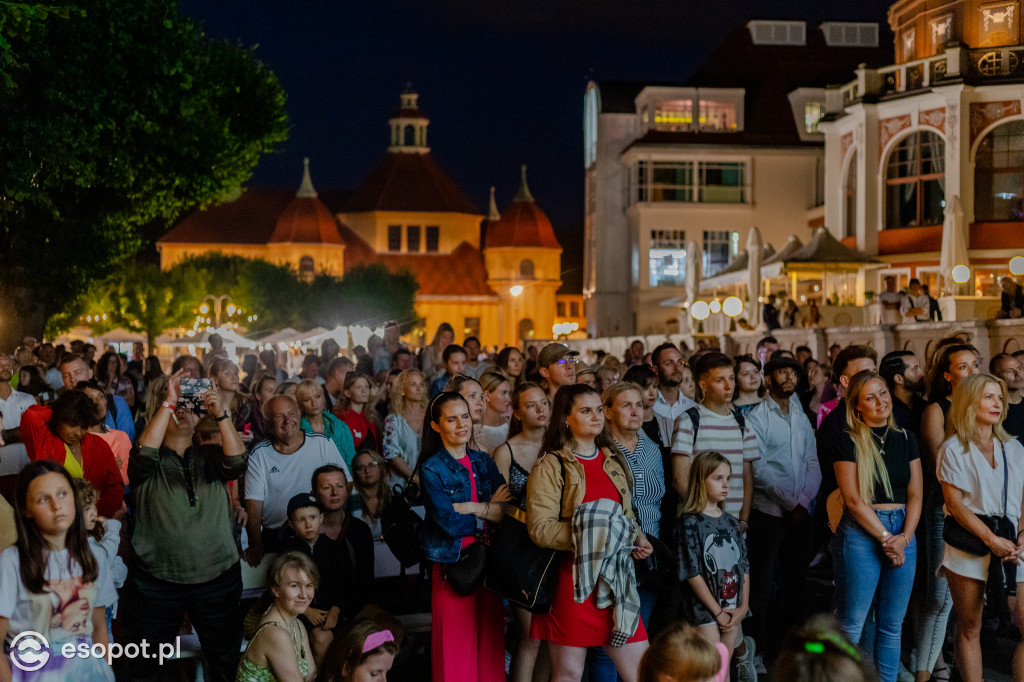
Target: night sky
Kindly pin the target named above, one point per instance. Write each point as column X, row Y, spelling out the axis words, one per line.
column 502, row 82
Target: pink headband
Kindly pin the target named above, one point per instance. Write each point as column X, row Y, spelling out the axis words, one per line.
column 376, row 639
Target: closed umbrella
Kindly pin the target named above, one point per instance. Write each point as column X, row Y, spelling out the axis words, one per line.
column 754, row 257
column 693, row 266
column 954, row 246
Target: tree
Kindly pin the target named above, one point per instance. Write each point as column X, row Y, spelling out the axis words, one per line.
column 121, row 115
column 368, row 295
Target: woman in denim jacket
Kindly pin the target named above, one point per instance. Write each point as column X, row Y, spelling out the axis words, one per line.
column 459, row 486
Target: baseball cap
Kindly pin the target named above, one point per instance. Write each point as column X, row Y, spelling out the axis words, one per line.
column 782, row 362
column 303, row 500
column 552, row 353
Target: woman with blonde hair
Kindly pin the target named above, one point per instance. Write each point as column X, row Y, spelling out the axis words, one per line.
column 493, row 429
column 403, row 428
column 310, row 398
column 878, row 469
column 981, row 469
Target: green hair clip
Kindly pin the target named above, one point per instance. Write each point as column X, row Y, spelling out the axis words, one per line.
column 817, row 646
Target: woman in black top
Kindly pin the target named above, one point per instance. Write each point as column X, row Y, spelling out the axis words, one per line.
column 879, row 474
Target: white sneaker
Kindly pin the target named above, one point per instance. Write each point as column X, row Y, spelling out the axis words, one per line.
column 759, row 665
column 745, row 670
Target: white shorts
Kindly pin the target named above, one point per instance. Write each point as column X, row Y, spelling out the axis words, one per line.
column 968, row 565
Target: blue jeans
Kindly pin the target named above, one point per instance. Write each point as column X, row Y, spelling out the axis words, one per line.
column 601, row 667
column 861, row 571
column 931, row 631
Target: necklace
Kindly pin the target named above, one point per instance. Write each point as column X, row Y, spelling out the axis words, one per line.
column 591, row 455
column 294, row 633
column 881, row 441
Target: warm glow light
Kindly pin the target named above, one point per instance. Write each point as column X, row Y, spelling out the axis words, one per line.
column 231, row 309
column 816, row 287
column 700, row 310
column 516, row 290
column 760, row 299
column 204, row 309
column 732, row 306
column 1017, row 265
column 803, row 298
column 961, row 274
column 716, row 307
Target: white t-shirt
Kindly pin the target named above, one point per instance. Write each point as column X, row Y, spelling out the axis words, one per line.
column 14, row 457
column 64, row 611
column 274, row 478
column 487, row 438
column 982, row 485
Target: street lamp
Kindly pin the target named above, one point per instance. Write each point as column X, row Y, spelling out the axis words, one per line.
column 218, row 302
column 515, row 291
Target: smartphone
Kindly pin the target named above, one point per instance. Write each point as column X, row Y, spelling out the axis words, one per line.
column 191, row 392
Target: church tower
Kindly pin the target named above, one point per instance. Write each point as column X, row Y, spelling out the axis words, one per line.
column 409, row 126
column 524, row 267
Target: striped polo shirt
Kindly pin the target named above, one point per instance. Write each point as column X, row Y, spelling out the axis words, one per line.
column 720, row 433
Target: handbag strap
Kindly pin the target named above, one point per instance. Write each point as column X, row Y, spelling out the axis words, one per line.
column 561, row 506
column 1006, row 476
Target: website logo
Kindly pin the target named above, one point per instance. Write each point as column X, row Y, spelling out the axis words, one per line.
column 30, row 651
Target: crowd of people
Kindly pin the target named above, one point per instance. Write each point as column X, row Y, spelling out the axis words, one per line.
column 695, row 510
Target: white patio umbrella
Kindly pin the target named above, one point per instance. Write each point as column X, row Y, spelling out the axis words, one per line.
column 754, row 275
column 694, row 257
column 954, row 247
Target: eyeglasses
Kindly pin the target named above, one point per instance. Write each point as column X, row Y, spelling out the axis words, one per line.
column 367, row 467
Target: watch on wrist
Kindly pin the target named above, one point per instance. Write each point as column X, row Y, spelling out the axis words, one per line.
column 884, row 536
column 222, row 417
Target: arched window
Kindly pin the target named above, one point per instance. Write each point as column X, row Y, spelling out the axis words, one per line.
column 999, row 174
column 526, row 269
column 915, row 184
column 410, row 136
column 850, row 198
column 526, row 330
column 306, row 271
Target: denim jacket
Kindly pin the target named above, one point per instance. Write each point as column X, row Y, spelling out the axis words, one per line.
column 444, row 482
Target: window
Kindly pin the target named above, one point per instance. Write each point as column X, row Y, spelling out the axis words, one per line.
column 850, row 34
column 560, row 308
column 574, row 308
column 688, row 181
column 674, row 115
column 999, row 174
column 394, row 237
column 433, row 237
column 850, row 198
column 306, row 269
column 666, row 259
column 410, row 136
column 722, row 183
column 717, row 250
column 764, row 32
column 526, row 269
column 915, row 182
column 717, row 115
column 471, row 326
column 412, row 238
column 813, row 111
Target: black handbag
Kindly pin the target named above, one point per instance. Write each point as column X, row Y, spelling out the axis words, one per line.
column 467, row 574
column 400, row 529
column 520, row 571
column 960, row 538
column 659, row 571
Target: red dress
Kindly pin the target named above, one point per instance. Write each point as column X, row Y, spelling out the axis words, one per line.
column 573, row 624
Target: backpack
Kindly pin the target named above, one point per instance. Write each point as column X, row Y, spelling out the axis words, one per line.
column 400, row 528
column 694, row 413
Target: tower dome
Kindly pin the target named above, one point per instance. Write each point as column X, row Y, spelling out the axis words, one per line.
column 305, row 220
column 523, row 224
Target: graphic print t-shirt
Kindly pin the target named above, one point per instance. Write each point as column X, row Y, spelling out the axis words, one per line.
column 713, row 548
column 63, row 612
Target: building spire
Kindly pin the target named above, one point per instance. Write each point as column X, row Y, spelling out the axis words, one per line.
column 524, row 191
column 306, row 190
column 493, row 215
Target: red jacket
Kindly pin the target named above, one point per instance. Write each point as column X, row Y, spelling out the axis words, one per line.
column 97, row 458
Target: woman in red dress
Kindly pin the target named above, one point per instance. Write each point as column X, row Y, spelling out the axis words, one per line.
column 592, row 471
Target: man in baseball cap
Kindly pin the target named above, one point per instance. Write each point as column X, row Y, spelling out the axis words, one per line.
column 557, row 364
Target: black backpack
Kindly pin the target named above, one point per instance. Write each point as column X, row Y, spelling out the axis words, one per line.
column 694, row 413
column 400, row 528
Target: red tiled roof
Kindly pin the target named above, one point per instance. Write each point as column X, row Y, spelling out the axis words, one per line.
column 522, row 224
column 460, row 273
column 306, row 221
column 249, row 219
column 408, row 182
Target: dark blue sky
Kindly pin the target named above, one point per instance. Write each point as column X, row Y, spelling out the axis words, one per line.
column 502, row 82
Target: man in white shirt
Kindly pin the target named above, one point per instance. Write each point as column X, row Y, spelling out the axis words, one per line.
column 279, row 469
column 786, row 481
column 916, row 306
column 891, row 301
column 13, row 404
column 668, row 363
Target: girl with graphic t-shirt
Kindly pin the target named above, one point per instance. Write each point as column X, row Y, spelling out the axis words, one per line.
column 52, row 584
column 712, row 553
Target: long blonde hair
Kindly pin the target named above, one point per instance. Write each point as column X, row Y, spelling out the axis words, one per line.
column 703, row 465
column 963, row 411
column 397, row 394
column 870, row 465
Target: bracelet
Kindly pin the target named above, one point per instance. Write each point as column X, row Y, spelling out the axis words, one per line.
column 720, row 613
column 168, row 405
column 222, row 417
column 902, row 535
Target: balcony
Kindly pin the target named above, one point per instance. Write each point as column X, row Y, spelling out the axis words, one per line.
column 957, row 64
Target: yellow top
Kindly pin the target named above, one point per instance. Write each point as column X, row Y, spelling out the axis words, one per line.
column 72, row 465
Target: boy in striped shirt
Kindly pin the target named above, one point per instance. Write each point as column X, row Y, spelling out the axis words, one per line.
column 720, row 428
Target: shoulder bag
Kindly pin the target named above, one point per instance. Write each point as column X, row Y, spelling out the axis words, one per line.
column 400, row 529
column 518, row 569
column 961, row 538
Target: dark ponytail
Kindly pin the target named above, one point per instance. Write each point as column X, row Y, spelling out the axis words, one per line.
column 430, row 443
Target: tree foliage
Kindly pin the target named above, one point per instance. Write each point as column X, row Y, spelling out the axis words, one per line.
column 149, row 300
column 116, row 116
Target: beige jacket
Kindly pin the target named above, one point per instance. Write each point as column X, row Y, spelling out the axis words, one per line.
column 544, row 495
